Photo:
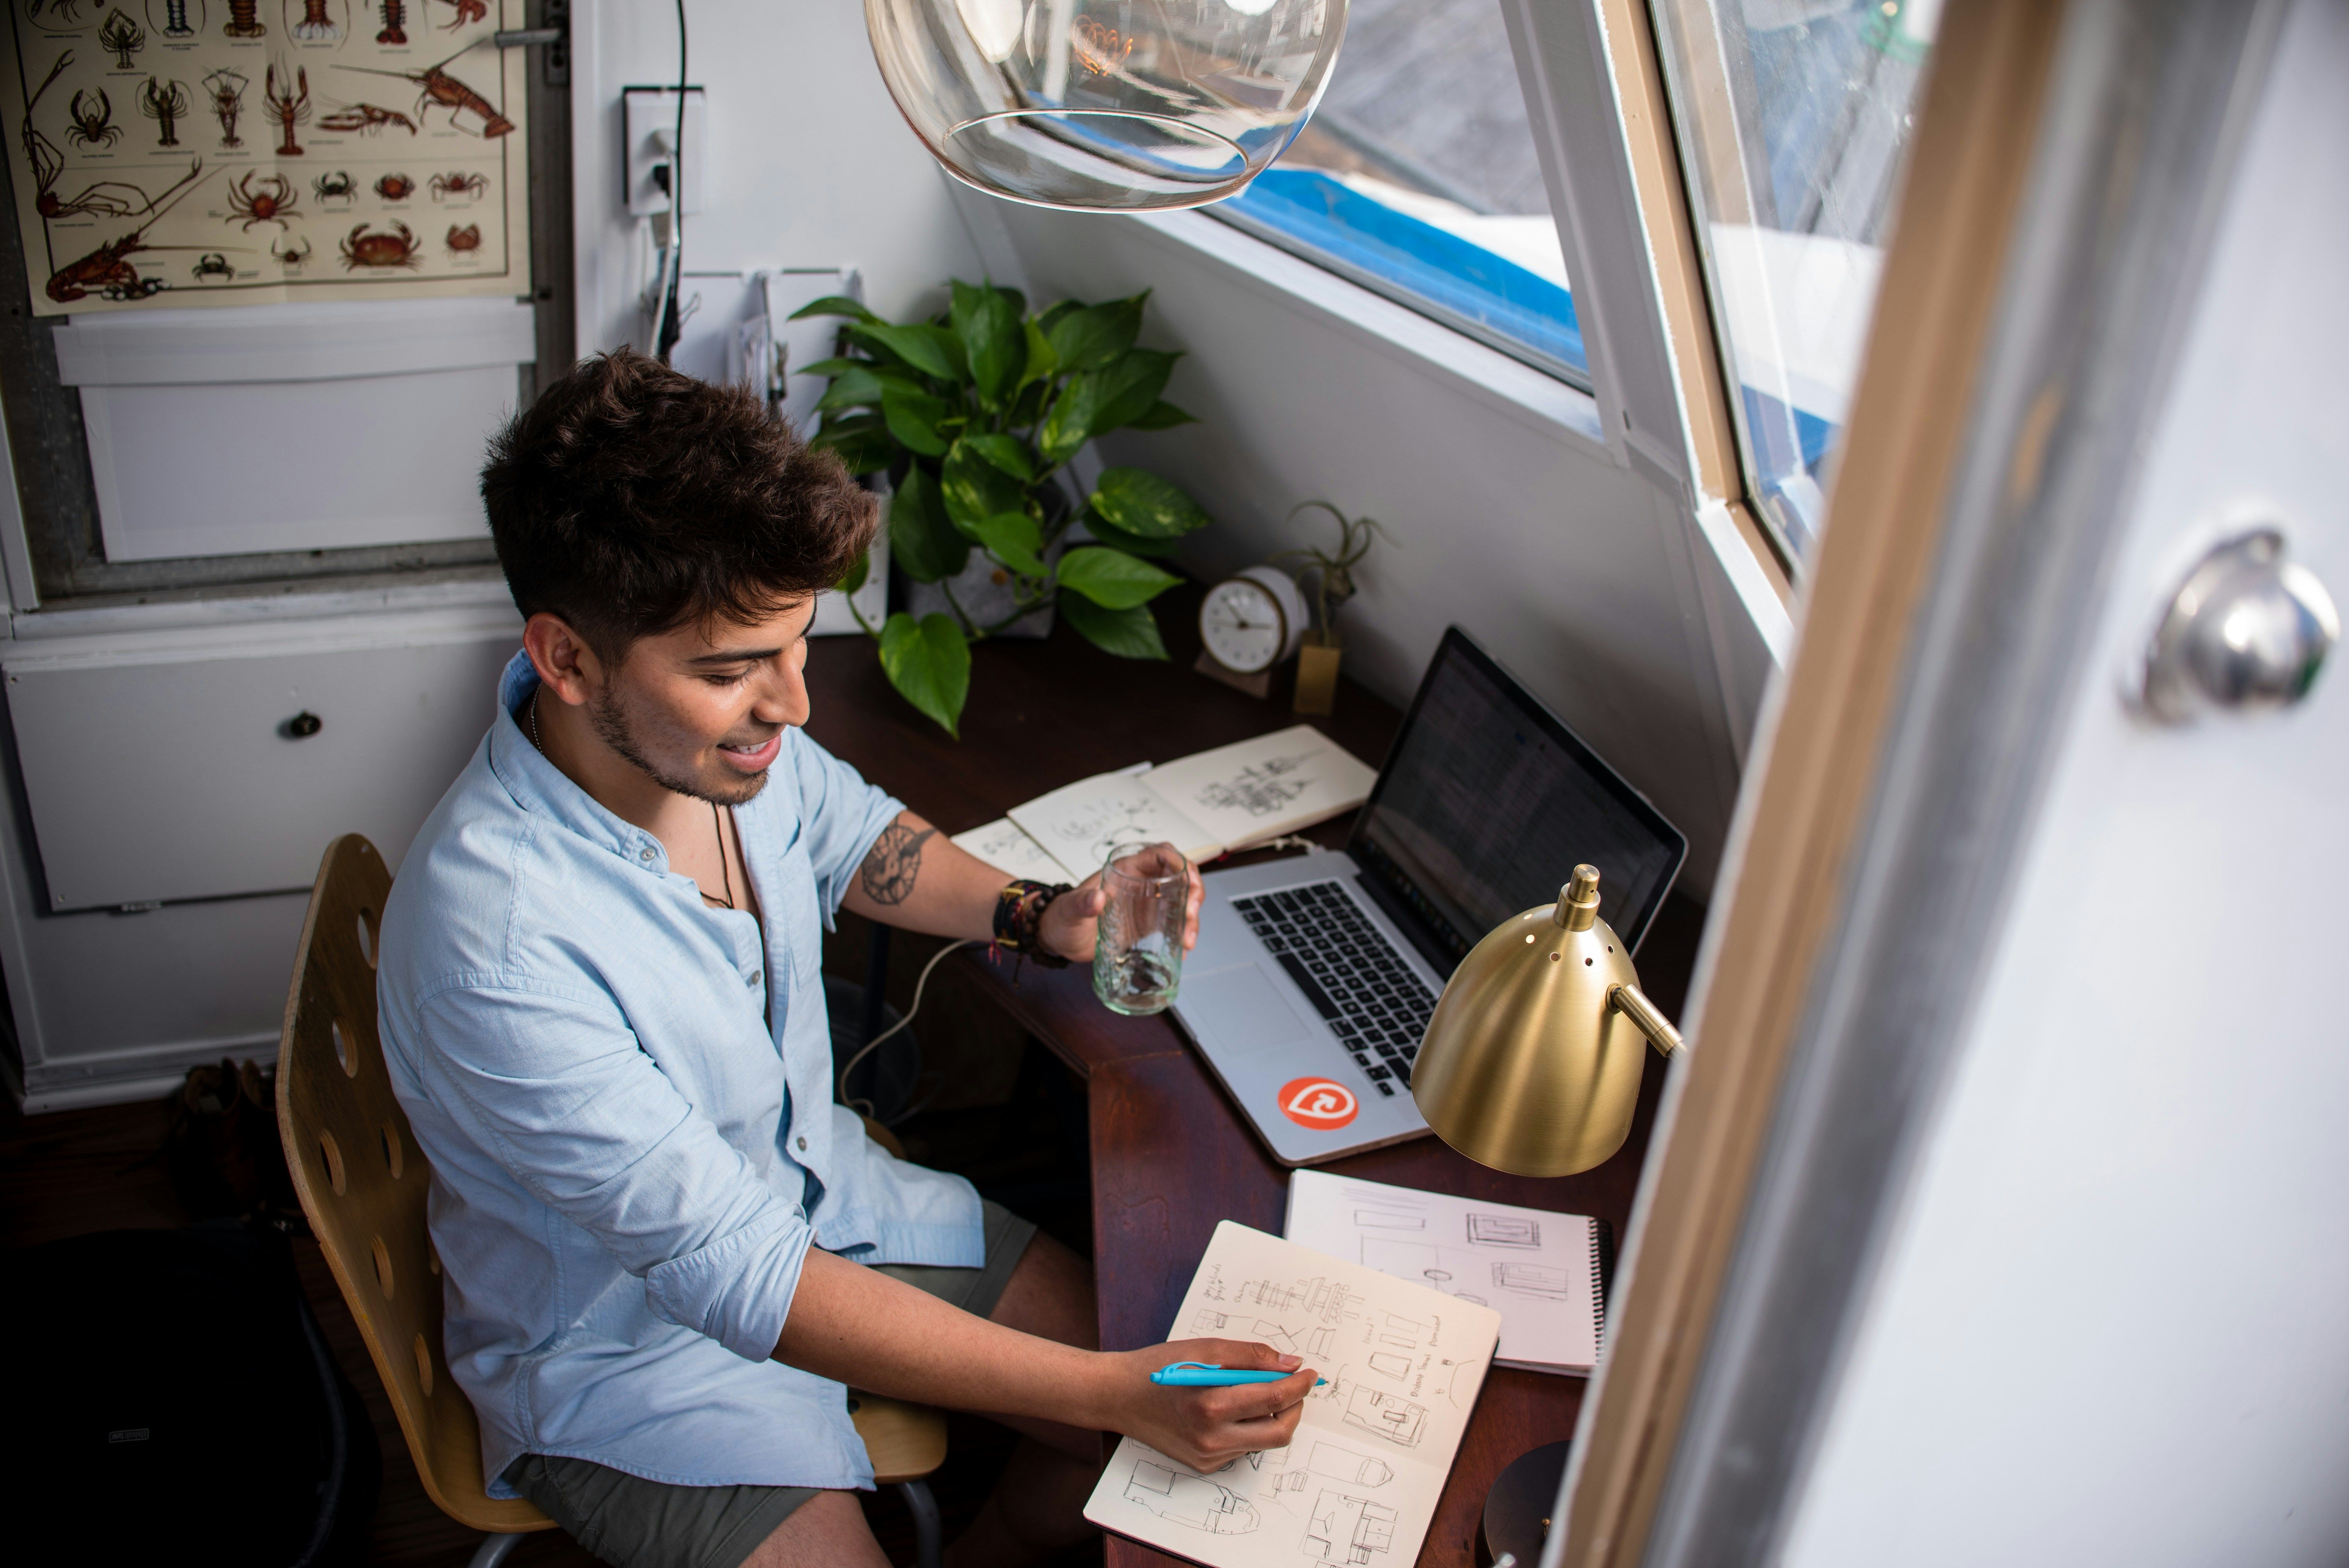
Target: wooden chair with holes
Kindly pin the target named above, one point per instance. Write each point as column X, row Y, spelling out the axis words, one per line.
column 362, row 1180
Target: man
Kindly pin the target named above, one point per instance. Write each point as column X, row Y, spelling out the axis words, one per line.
column 666, row 1249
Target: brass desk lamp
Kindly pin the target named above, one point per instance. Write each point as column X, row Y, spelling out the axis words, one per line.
column 1532, row 1061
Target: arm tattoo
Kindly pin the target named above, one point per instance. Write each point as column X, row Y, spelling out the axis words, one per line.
column 895, row 860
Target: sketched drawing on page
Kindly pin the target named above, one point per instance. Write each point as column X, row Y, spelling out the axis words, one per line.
column 1387, row 1197
column 1387, row 1220
column 1532, row 1279
column 1503, row 1231
column 1403, row 1333
column 1260, row 789
column 1388, row 1364
column 1205, row 1322
column 1399, row 1421
column 1005, row 845
column 1320, row 1341
column 1324, row 1298
column 1191, row 1500
column 1274, row 1334
column 1341, row 1464
column 1348, row 1528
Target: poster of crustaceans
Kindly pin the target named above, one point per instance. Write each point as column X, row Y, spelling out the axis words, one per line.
column 176, row 152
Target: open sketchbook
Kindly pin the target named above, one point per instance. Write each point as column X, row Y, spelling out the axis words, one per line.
column 1540, row 1270
column 1360, row 1481
column 1206, row 805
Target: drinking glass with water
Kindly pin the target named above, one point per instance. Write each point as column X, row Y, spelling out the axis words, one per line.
column 1138, row 953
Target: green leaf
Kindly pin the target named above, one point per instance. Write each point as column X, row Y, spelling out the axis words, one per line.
column 914, row 418
column 1015, row 540
column 835, row 304
column 1129, row 634
column 854, row 387
column 987, row 325
column 1053, row 314
column 1161, row 416
column 1130, row 387
column 1009, row 453
column 832, row 366
column 856, row 576
column 1029, row 406
column 1093, row 337
column 932, row 350
column 1042, row 363
column 921, row 539
column 1069, row 421
column 1141, row 502
column 1111, row 578
column 860, row 442
column 975, row 490
column 929, row 664
column 1132, row 543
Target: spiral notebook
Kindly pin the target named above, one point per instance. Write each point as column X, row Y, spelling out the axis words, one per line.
column 1359, row 1482
column 1544, row 1272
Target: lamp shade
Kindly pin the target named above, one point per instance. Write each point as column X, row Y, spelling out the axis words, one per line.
column 1106, row 105
column 1533, row 1057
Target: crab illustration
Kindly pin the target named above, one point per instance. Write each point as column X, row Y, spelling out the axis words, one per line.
column 395, row 187
column 466, row 239
column 452, row 182
column 338, row 187
column 292, row 256
column 270, row 203
column 213, row 265
column 395, row 248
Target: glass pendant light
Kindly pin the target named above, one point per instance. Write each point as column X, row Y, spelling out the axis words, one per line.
column 1106, row 105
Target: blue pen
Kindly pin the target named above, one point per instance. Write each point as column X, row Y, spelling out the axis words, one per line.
column 1208, row 1374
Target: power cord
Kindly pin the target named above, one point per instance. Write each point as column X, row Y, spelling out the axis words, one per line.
column 669, row 324
column 864, row 1108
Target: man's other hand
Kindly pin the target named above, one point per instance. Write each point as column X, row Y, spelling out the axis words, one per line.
column 1206, row 1427
column 1071, row 921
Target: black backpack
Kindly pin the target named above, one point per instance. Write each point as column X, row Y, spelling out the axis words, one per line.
column 175, row 1398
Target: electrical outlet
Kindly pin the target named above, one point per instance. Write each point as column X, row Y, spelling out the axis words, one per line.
column 650, row 116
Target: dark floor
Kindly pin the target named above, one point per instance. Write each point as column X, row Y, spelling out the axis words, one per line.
column 72, row 1172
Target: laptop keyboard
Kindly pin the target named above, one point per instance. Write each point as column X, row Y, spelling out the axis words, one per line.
column 1349, row 972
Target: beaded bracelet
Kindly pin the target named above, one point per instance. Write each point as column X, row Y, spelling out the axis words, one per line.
column 1019, row 920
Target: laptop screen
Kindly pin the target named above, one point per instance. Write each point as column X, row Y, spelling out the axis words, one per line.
column 1487, row 802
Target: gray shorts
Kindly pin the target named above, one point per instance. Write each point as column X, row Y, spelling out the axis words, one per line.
column 632, row 1522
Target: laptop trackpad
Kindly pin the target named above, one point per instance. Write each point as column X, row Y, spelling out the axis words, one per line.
column 1241, row 1008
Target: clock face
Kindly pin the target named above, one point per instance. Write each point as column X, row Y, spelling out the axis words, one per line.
column 1243, row 627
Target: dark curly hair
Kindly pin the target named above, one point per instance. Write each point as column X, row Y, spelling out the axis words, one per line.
column 631, row 500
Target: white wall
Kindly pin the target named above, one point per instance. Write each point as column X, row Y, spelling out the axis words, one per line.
column 808, row 163
column 2110, row 1325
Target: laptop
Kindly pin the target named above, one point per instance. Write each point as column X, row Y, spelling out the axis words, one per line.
column 1314, row 977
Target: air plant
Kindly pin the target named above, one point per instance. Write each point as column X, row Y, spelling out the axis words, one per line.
column 1333, row 570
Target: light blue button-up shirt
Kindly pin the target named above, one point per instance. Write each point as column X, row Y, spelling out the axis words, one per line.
column 626, row 1099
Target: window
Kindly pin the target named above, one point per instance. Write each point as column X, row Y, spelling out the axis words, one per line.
column 1418, row 178
column 1793, row 118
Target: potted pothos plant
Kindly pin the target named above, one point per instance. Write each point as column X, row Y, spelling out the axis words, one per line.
column 974, row 416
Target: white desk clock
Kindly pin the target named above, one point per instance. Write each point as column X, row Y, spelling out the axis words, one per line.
column 1249, row 622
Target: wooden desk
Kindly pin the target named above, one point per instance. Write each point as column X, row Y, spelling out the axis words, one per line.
column 1170, row 1156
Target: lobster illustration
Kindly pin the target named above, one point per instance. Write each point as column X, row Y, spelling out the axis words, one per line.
column 465, row 240
column 442, row 89
column 175, row 20
column 366, row 118
column 165, row 103
column 444, row 186
column 124, row 36
column 102, row 199
column 288, row 110
column 395, row 187
column 108, row 272
column 213, row 265
column 467, row 11
column 395, row 23
column 93, row 128
column 315, row 26
column 66, row 12
column 227, row 89
column 394, row 248
column 241, row 19
column 269, row 205
column 338, row 187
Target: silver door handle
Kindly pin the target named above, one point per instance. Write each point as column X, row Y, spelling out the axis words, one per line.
column 2246, row 632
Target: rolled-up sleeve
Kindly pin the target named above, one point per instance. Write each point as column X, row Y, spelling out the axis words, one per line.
column 552, row 1083
column 839, row 816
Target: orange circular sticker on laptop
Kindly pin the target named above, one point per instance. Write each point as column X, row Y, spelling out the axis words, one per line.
column 1323, row 1104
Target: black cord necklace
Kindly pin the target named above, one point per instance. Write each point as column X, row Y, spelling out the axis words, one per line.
column 716, row 822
